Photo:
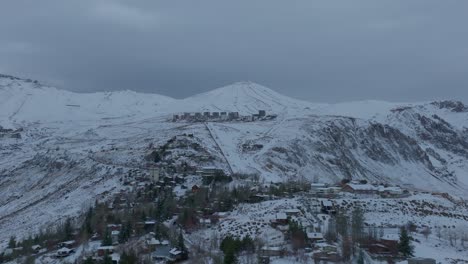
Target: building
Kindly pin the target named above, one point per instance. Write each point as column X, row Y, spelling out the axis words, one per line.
column 233, row 115
column 271, row 251
column 360, row 188
column 280, row 219
column 206, row 114
column 390, row 191
column 421, row 261
column 261, row 113
column 105, row 250
column 292, row 212
column 327, row 207
column 67, row 244
column 314, row 236
column 64, row 252
column 205, row 222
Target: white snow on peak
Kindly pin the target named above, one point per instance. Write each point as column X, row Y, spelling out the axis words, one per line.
column 245, row 98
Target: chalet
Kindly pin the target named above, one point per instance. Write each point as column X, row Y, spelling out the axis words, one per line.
column 205, row 222
column 36, row 248
column 314, row 236
column 105, row 250
column 115, row 237
column 271, row 251
column 162, row 253
column 292, row 212
column 381, row 250
column 327, row 207
column 115, row 257
column 195, row 188
column 67, row 244
column 390, row 191
column 280, row 219
column 421, row 261
column 360, row 188
column 175, row 254
column 326, row 257
column 385, row 247
column 64, row 252
column 315, row 186
column 153, row 243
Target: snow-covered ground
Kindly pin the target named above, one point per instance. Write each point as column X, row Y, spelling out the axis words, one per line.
column 74, row 147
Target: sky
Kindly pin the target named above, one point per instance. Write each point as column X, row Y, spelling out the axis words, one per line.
column 321, row 51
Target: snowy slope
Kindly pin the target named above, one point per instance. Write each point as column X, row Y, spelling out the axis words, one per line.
column 74, row 144
column 26, row 101
column 245, row 98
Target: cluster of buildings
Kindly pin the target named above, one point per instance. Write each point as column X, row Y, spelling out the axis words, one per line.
column 356, row 187
column 220, row 116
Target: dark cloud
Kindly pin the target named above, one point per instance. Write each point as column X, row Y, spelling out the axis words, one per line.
column 318, row 50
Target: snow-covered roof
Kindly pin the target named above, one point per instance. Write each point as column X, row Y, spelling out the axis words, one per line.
column 292, row 211
column 363, row 187
column 327, row 203
column 153, row 242
column 175, row 251
column 270, row 248
column 394, row 237
column 64, row 250
column 316, row 235
column 281, row 216
column 115, row 257
column 318, row 185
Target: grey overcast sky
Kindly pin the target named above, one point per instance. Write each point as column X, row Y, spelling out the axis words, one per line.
column 322, row 51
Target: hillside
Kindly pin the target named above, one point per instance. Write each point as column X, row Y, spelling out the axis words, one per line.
column 74, row 147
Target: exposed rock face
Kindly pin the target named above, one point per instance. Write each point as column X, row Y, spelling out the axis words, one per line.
column 454, row 106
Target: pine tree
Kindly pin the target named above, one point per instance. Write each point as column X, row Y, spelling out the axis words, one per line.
column 360, row 259
column 68, row 230
column 357, row 224
column 107, row 240
column 181, row 242
column 107, row 259
column 404, row 246
column 230, row 257
column 12, row 242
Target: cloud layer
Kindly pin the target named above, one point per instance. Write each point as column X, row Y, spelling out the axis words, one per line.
column 317, row 50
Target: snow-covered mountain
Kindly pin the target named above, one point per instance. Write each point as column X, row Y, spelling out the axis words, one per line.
column 75, row 146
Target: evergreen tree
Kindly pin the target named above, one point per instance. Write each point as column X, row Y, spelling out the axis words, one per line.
column 342, row 223
column 107, row 240
column 230, row 257
column 181, row 242
column 12, row 242
column 404, row 245
column 128, row 258
column 68, row 229
column 357, row 224
column 360, row 259
column 107, row 259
